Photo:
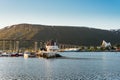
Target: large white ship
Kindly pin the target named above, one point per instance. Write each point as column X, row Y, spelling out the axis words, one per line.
column 51, row 50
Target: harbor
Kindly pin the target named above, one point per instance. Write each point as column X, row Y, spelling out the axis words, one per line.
column 59, row 39
column 49, row 49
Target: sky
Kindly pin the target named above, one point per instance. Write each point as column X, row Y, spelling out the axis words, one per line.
column 102, row 14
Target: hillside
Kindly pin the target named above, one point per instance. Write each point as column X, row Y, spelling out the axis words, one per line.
column 63, row 34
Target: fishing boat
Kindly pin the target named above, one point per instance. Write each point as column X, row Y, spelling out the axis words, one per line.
column 50, row 50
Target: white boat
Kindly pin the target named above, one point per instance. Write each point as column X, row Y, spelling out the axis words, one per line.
column 71, row 50
column 51, row 50
column 26, row 54
column 20, row 54
column 5, row 54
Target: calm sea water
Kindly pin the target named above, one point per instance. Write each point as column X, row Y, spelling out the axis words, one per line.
column 74, row 66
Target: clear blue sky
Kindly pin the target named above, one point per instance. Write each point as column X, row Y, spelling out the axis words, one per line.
column 103, row 14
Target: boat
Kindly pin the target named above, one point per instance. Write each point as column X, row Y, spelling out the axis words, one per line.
column 32, row 55
column 50, row 50
column 20, row 54
column 26, row 54
column 71, row 50
column 5, row 54
column 14, row 54
column 29, row 54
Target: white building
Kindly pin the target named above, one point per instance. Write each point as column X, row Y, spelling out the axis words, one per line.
column 106, row 44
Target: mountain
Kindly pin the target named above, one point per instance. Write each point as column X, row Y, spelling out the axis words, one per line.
column 63, row 34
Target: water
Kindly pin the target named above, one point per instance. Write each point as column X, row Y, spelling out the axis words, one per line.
column 74, row 66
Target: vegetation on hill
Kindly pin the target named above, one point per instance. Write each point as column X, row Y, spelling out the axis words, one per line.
column 63, row 34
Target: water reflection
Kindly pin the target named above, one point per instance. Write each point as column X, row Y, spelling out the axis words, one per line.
column 48, row 70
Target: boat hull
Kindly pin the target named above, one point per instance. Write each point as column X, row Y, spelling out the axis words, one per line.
column 49, row 55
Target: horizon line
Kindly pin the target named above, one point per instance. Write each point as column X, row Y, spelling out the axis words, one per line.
column 60, row 25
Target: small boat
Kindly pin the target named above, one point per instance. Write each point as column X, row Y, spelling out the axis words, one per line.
column 32, row 55
column 29, row 55
column 50, row 51
column 14, row 54
column 4, row 54
column 26, row 54
column 20, row 54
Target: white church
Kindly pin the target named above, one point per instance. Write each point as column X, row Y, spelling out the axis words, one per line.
column 105, row 44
